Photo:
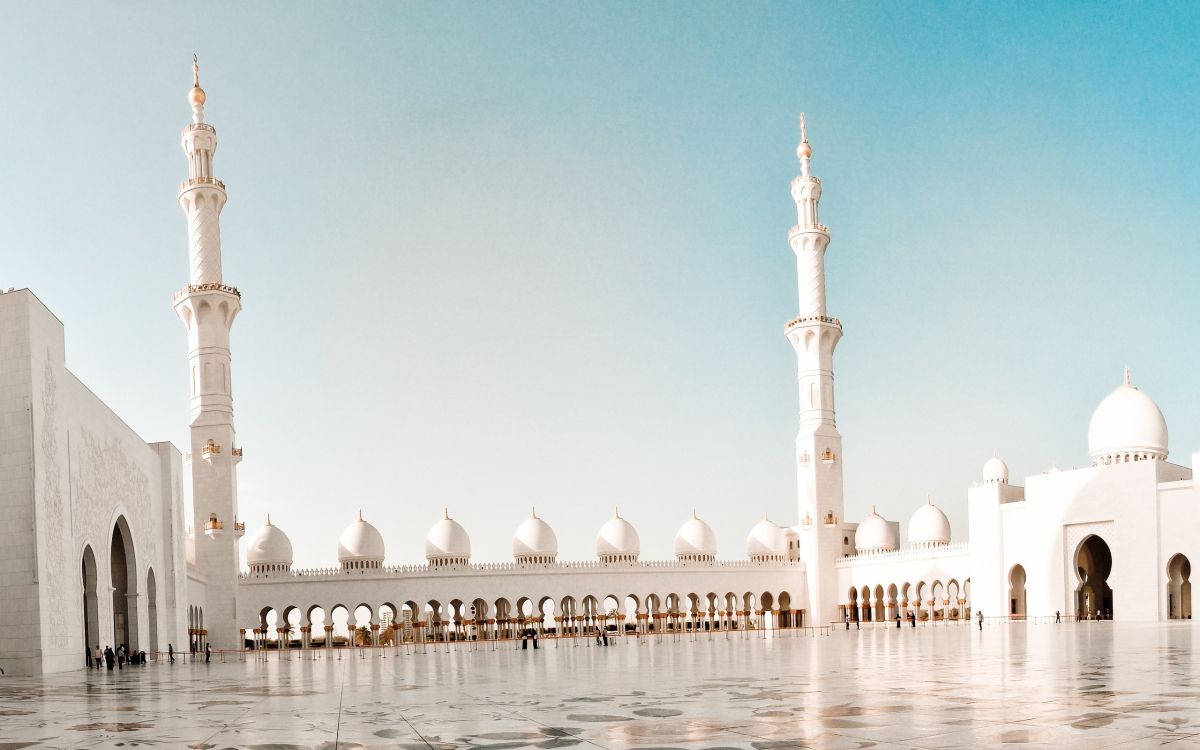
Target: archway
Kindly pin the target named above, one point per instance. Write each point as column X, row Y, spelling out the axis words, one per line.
column 1016, row 591
column 1093, row 563
column 123, row 569
column 1179, row 588
column 91, row 613
column 152, row 609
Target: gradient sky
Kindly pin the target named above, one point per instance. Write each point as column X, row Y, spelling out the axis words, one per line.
column 498, row 255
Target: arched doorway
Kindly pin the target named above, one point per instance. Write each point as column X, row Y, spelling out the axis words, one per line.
column 1093, row 563
column 1016, row 592
column 123, row 567
column 1179, row 588
column 91, row 610
column 152, row 609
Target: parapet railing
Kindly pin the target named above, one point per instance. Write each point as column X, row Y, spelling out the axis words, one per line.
column 910, row 553
column 426, row 569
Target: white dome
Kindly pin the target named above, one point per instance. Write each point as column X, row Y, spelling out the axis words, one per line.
column 1127, row 423
column 618, row 538
column 535, row 538
column 928, row 527
column 269, row 546
column 447, row 540
column 695, row 540
column 995, row 471
column 767, row 540
column 360, row 541
column 874, row 534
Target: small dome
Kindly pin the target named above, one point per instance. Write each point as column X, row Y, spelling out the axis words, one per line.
column 360, row 542
column 928, row 527
column 447, row 540
column 269, row 546
column 535, row 539
column 874, row 534
column 695, row 540
column 618, row 539
column 995, row 471
column 767, row 540
column 1127, row 426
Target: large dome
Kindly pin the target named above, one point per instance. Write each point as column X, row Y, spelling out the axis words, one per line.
column 767, row 541
column 534, row 539
column 695, row 540
column 618, row 539
column 1127, row 426
column 447, row 540
column 360, row 542
column 269, row 546
column 874, row 534
column 995, row 471
column 928, row 527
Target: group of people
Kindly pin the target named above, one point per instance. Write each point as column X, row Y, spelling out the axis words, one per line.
column 123, row 655
column 110, row 658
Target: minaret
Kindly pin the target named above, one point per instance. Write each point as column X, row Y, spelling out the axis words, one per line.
column 208, row 307
column 819, row 444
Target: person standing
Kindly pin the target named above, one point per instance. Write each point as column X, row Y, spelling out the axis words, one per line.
column 109, row 657
column 207, row 652
column 979, row 616
column 98, row 656
column 897, row 619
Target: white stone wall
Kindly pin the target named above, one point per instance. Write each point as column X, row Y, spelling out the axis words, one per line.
column 69, row 467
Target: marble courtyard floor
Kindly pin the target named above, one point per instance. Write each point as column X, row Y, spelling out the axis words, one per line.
column 1091, row 685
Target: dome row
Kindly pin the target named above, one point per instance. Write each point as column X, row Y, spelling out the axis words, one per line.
column 928, row 527
column 447, row 543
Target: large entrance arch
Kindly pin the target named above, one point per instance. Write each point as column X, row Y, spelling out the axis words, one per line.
column 1179, row 588
column 91, row 608
column 123, row 566
column 1093, row 563
column 1016, row 592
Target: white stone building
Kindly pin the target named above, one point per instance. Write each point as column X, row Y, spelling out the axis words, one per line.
column 94, row 548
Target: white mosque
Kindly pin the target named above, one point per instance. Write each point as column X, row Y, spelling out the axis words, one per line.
column 95, row 548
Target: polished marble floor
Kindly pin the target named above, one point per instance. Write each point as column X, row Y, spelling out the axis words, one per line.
column 1090, row 685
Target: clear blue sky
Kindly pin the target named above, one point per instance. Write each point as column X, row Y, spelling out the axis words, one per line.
column 502, row 255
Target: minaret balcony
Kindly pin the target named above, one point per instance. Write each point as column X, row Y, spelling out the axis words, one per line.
column 199, row 126
column 213, row 526
column 239, row 529
column 194, row 181
column 812, row 319
column 797, row 230
column 212, row 287
column 236, row 454
column 210, row 451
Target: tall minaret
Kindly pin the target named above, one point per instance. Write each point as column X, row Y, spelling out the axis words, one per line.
column 207, row 307
column 819, row 444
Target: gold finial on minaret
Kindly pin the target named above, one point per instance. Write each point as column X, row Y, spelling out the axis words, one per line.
column 1127, row 375
column 803, row 151
column 196, row 96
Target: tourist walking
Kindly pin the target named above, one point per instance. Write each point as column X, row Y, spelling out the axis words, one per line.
column 171, row 652
column 897, row 620
column 979, row 616
column 109, row 657
column 98, row 656
column 1057, row 616
column 207, row 652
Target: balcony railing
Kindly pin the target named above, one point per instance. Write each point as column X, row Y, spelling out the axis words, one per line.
column 193, row 181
